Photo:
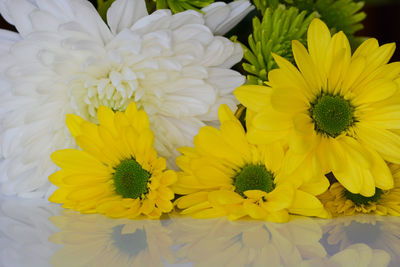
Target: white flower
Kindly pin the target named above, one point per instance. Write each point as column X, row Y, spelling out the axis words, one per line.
column 221, row 17
column 66, row 60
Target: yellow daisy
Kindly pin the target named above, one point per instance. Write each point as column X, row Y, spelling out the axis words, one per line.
column 117, row 173
column 340, row 201
column 336, row 111
column 224, row 175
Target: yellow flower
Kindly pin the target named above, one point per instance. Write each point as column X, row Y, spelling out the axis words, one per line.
column 95, row 240
column 224, row 175
column 337, row 112
column 117, row 173
column 340, row 201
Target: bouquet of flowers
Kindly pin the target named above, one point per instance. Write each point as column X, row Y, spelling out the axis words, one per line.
column 134, row 108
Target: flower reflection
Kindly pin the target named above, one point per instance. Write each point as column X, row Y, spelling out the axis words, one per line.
column 95, row 240
column 220, row 242
column 378, row 232
column 354, row 255
column 24, row 232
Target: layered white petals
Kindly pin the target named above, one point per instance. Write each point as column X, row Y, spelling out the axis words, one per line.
column 221, row 17
column 123, row 14
column 172, row 66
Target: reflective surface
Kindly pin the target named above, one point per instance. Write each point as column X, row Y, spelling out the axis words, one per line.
column 37, row 233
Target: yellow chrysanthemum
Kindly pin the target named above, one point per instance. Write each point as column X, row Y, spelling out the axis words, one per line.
column 224, row 175
column 340, row 201
column 117, row 173
column 337, row 112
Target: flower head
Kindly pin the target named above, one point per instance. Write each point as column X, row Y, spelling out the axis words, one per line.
column 224, row 175
column 340, row 201
column 337, row 112
column 118, row 172
column 67, row 60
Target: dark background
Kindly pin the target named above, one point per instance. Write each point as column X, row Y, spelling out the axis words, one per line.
column 382, row 22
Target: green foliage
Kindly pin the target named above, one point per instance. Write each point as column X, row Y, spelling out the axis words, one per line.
column 274, row 34
column 178, row 5
column 339, row 15
column 262, row 5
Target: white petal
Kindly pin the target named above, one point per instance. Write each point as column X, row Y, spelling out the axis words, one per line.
column 159, row 19
column 18, row 11
column 124, row 13
column 225, row 80
column 216, row 14
column 185, row 18
column 221, row 17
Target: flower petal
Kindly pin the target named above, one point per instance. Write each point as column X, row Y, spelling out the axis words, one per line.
column 124, row 13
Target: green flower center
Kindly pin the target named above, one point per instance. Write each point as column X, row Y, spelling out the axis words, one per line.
column 253, row 177
column 129, row 244
column 359, row 199
column 130, row 179
column 332, row 115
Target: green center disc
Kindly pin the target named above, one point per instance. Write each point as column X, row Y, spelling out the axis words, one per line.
column 130, row 179
column 359, row 199
column 254, row 177
column 332, row 115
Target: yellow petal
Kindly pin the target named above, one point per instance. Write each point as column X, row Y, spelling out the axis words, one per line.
column 253, row 97
column 385, row 117
column 79, row 161
column 307, row 67
column 224, row 197
column 271, row 120
column 375, row 91
column 105, row 117
column 191, row 200
column 307, row 205
column 318, row 39
column 225, row 114
column 383, row 141
column 255, row 211
column 337, row 62
column 289, row 100
column 83, row 194
column 168, row 177
column 380, row 171
column 60, row 195
column 209, row 141
column 74, row 122
column 272, row 156
column 291, row 73
column 280, row 198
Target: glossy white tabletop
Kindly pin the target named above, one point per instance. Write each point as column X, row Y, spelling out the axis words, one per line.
column 36, row 233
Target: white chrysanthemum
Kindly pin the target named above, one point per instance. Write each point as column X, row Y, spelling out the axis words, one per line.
column 66, row 60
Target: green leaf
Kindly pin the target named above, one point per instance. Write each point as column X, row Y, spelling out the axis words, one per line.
column 177, row 6
column 274, row 34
